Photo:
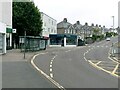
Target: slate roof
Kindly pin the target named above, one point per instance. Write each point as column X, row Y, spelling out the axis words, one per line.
column 64, row 24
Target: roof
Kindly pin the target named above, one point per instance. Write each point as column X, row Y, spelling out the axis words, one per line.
column 64, row 24
column 77, row 25
column 48, row 16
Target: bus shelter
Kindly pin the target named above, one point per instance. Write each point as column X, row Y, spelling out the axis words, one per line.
column 32, row 43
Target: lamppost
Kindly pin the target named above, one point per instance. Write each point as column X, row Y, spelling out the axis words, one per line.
column 113, row 21
column 24, row 43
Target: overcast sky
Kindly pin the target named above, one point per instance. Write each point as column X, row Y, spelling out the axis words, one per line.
column 92, row 11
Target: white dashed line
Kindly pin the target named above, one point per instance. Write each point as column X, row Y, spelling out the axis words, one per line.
column 87, row 51
column 50, row 69
column 44, row 74
column 84, row 54
column 50, row 66
column 51, row 62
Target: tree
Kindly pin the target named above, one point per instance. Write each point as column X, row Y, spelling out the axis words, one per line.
column 96, row 31
column 26, row 17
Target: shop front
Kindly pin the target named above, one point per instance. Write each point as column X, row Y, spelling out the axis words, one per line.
column 2, row 38
column 63, row 40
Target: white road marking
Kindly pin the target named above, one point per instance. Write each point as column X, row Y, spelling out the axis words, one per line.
column 84, row 54
column 54, row 57
column 50, row 69
column 106, row 46
column 68, row 51
column 98, row 62
column 51, row 75
column 50, row 66
column 44, row 74
column 51, row 62
column 100, row 68
column 85, row 59
column 115, row 69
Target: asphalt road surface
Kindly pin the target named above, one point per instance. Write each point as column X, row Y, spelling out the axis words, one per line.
column 81, row 67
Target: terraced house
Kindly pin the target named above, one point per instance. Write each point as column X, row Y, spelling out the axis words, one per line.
column 66, row 35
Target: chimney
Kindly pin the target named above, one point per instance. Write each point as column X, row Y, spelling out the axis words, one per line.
column 65, row 20
column 78, row 22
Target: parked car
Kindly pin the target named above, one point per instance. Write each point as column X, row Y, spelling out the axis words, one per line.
column 81, row 42
column 107, row 39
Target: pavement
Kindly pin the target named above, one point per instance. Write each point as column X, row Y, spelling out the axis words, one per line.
column 17, row 72
column 16, row 55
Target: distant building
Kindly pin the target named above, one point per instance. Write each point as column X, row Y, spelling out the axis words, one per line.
column 65, row 37
column 78, row 28
column 49, row 26
column 64, row 27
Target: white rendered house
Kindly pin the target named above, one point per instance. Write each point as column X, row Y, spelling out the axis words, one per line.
column 49, row 26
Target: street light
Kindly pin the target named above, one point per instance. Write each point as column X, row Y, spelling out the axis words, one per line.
column 24, row 43
column 113, row 21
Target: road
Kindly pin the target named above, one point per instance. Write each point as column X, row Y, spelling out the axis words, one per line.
column 80, row 67
column 20, row 74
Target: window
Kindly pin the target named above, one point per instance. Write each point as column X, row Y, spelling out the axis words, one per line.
column 52, row 22
column 48, row 29
column 45, row 24
column 49, row 20
column 65, row 31
column 68, row 31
